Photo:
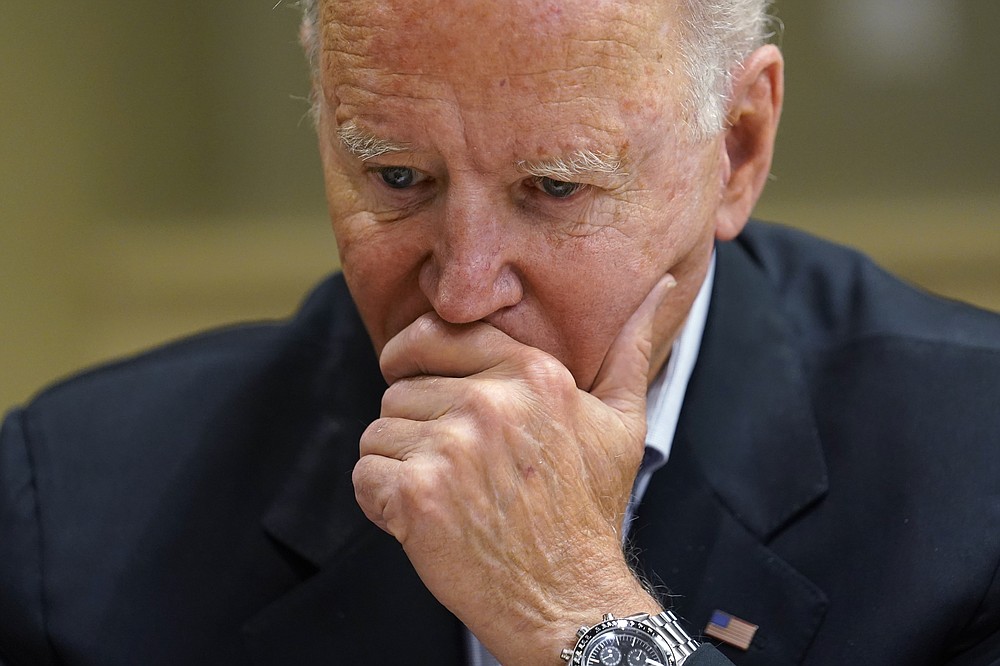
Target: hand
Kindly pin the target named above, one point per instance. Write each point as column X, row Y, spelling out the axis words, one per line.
column 506, row 484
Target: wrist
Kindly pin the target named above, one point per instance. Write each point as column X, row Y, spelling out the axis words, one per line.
column 541, row 638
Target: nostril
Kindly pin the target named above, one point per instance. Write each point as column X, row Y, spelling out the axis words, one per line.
column 464, row 292
column 510, row 287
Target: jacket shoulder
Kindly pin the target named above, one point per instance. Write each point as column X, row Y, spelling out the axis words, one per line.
column 236, row 404
column 186, row 373
column 834, row 295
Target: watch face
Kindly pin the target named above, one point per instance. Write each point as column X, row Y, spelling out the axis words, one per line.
column 629, row 645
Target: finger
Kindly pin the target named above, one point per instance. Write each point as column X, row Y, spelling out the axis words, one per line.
column 623, row 379
column 423, row 398
column 406, row 440
column 375, row 478
column 431, row 346
column 396, row 438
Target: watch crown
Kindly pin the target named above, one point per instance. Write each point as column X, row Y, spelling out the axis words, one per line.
column 608, row 617
column 581, row 631
column 566, row 655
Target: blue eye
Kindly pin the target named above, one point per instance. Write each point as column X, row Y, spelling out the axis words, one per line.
column 396, row 177
column 558, row 189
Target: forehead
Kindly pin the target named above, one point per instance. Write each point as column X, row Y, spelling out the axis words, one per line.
column 456, row 47
column 464, row 27
column 582, row 66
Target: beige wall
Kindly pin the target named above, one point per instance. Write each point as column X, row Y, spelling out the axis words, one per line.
column 157, row 174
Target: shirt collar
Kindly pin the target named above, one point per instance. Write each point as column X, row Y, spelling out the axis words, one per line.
column 666, row 394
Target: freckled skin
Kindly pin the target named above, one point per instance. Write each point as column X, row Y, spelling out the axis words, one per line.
column 473, row 90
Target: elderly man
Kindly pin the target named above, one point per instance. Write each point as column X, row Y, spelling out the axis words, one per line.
column 547, row 292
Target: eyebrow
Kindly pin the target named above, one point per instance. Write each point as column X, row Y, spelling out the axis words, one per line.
column 580, row 163
column 365, row 145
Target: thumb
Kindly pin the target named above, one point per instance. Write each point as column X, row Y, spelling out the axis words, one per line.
column 623, row 378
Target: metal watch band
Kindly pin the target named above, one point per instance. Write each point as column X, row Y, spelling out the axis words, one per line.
column 664, row 625
column 682, row 644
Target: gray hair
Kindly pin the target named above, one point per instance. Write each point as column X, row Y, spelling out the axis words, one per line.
column 718, row 36
column 721, row 34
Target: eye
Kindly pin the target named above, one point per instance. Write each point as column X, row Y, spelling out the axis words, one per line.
column 398, row 177
column 558, row 189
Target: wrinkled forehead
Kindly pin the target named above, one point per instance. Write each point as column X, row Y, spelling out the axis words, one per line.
column 474, row 40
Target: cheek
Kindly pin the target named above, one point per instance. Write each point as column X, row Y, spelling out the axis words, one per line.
column 380, row 263
column 676, row 209
column 587, row 291
column 604, row 277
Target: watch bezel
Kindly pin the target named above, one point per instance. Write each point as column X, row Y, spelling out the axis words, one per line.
column 618, row 624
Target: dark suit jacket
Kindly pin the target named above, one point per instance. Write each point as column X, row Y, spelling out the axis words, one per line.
column 835, row 479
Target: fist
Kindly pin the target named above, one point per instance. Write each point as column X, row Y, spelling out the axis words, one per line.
column 506, row 484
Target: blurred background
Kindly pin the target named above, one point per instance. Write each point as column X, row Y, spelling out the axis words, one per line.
column 158, row 173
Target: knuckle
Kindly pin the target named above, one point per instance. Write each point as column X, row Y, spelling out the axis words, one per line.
column 421, row 489
column 546, row 366
column 393, row 396
column 483, row 406
column 364, row 483
column 459, row 440
column 425, row 326
column 371, row 435
column 548, row 375
column 485, row 396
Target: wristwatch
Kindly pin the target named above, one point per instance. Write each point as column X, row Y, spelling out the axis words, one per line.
column 636, row 640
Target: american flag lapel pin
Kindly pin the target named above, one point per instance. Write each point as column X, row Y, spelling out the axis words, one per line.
column 731, row 629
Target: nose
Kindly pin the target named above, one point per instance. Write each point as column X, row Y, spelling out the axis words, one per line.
column 470, row 273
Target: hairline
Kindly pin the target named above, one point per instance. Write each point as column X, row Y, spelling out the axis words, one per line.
column 713, row 48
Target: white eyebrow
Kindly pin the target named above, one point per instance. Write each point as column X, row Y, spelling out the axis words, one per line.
column 580, row 163
column 364, row 145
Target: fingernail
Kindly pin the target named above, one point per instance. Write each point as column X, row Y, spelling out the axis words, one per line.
column 666, row 285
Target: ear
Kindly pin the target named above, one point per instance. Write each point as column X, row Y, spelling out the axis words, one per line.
column 754, row 110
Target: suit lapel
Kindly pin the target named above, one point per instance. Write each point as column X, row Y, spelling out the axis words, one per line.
column 693, row 549
column 746, row 463
column 747, row 413
column 359, row 601
column 365, row 606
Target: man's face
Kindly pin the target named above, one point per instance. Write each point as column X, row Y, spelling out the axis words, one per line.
column 535, row 174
